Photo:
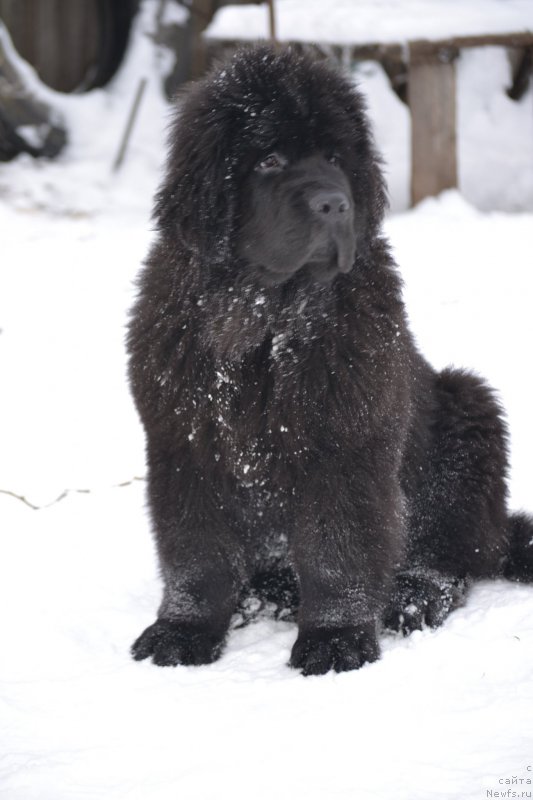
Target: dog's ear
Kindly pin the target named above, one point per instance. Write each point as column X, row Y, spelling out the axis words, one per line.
column 349, row 118
column 369, row 191
column 196, row 201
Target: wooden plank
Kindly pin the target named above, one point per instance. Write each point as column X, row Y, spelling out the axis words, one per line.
column 17, row 20
column 70, row 33
column 78, row 31
column 376, row 51
column 47, row 48
column 518, row 39
column 60, row 38
column 431, row 97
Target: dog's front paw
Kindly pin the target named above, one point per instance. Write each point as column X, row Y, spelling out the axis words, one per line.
column 318, row 650
column 169, row 643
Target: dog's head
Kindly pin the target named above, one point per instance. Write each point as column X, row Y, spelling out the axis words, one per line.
column 273, row 170
column 297, row 215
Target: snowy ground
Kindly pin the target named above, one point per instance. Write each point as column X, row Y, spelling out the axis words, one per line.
column 443, row 715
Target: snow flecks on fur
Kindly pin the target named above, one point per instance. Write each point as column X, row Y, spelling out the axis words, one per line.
column 76, row 236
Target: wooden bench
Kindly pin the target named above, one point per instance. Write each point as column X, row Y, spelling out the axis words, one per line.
column 423, row 73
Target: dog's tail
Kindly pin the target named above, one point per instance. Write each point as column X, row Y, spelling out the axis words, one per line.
column 519, row 562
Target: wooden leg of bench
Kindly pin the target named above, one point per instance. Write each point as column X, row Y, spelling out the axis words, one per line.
column 431, row 95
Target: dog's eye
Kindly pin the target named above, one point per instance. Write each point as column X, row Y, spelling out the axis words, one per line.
column 335, row 159
column 272, row 162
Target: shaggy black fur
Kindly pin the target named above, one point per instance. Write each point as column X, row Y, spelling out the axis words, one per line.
column 297, row 443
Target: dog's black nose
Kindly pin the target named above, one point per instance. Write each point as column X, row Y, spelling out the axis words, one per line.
column 329, row 204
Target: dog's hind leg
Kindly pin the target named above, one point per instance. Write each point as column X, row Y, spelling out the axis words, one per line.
column 458, row 523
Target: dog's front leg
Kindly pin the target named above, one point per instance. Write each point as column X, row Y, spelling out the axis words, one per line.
column 200, row 560
column 347, row 540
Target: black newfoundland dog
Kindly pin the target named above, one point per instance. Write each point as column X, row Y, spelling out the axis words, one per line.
column 299, row 447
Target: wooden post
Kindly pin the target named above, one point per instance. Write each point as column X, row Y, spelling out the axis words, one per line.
column 431, row 95
column 272, row 21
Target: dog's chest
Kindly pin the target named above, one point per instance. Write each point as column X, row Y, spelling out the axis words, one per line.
column 272, row 416
column 254, row 438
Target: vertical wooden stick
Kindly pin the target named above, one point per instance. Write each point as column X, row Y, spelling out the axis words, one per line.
column 129, row 126
column 272, row 20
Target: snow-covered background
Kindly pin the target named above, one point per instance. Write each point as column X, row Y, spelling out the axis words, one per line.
column 443, row 714
column 495, row 142
column 367, row 21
